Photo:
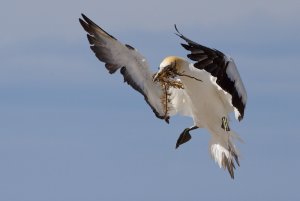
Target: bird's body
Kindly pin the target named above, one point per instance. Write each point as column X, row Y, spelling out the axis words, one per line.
column 206, row 103
column 208, row 106
column 207, row 90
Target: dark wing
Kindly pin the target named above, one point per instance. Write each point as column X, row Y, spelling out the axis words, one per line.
column 222, row 68
column 133, row 65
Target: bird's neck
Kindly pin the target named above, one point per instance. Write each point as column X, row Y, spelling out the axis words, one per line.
column 183, row 66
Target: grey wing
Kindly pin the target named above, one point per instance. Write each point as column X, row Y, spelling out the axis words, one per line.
column 133, row 66
column 223, row 70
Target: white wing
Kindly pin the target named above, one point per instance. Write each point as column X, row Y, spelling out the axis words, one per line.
column 225, row 75
column 133, row 67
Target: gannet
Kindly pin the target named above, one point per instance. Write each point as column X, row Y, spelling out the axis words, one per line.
column 207, row 89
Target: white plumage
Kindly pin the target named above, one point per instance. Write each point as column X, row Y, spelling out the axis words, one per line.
column 207, row 90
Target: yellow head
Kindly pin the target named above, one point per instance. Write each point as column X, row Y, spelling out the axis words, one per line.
column 170, row 67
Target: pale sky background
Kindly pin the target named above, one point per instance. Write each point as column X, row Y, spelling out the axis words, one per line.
column 69, row 131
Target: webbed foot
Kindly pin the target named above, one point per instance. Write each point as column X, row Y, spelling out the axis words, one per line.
column 185, row 136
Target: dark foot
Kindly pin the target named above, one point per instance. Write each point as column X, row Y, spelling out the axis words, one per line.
column 225, row 124
column 185, row 136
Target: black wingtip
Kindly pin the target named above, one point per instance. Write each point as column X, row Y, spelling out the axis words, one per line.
column 175, row 26
column 84, row 22
column 84, row 25
column 176, row 29
column 183, row 37
column 89, row 26
column 88, row 20
column 81, row 21
column 85, row 17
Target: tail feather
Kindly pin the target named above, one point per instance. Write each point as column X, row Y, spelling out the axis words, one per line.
column 224, row 152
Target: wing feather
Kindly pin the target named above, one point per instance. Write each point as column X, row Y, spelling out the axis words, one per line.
column 133, row 66
column 224, row 71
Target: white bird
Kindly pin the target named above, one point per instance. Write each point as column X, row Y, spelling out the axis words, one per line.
column 206, row 90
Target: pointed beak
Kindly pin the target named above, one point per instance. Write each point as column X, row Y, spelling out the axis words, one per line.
column 156, row 76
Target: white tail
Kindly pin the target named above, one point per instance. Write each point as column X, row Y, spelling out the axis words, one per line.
column 223, row 150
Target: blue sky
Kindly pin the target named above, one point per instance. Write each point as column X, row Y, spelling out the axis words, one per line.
column 71, row 131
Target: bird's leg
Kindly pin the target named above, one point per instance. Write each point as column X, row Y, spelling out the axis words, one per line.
column 185, row 136
column 225, row 124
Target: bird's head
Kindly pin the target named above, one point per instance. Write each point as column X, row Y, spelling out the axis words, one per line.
column 169, row 68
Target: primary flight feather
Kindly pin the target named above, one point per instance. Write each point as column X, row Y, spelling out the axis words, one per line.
column 206, row 90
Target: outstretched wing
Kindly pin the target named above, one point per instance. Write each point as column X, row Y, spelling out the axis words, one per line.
column 223, row 69
column 133, row 66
